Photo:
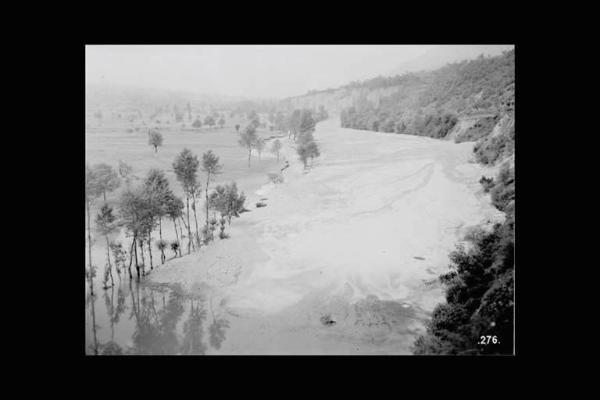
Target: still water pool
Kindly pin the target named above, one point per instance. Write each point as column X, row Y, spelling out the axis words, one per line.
column 150, row 318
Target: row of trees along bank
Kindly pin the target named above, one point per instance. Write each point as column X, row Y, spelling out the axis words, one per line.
column 299, row 124
column 142, row 208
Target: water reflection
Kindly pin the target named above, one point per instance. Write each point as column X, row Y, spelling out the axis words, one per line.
column 192, row 330
column 217, row 329
column 92, row 301
column 162, row 320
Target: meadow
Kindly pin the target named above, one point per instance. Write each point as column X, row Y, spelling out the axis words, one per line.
column 112, row 140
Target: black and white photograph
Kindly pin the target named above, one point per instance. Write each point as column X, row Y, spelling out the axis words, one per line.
column 296, row 199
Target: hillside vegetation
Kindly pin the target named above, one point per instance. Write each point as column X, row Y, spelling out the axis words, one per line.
column 466, row 101
column 433, row 103
column 477, row 317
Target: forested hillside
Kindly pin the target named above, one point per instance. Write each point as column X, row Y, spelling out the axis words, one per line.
column 466, row 101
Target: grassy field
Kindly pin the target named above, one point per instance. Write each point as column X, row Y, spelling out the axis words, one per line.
column 109, row 141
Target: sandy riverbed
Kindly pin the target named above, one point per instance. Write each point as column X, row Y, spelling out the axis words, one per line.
column 343, row 259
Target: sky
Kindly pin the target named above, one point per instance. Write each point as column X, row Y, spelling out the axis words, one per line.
column 264, row 71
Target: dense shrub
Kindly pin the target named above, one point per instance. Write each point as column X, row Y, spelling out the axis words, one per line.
column 503, row 192
column 490, row 150
column 487, row 183
column 480, row 129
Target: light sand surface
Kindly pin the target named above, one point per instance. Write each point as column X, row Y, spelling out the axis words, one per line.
column 340, row 241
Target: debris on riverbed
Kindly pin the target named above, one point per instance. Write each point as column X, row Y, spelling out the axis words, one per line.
column 261, row 204
column 275, row 178
column 327, row 320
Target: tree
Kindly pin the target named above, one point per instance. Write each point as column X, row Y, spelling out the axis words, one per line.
column 306, row 138
column 125, row 170
column 106, row 178
column 175, row 247
column 209, row 120
column 174, row 209
column 132, row 214
column 313, row 151
column 226, row 200
column 279, row 121
column 186, row 169
column 254, row 119
column 155, row 139
column 106, row 223
column 92, row 191
column 221, row 122
column 259, row 145
column 162, row 245
column 197, row 123
column 159, row 193
column 247, row 140
column 252, row 115
column 307, row 123
column 322, row 114
column 211, row 166
column 307, row 150
column 293, row 122
column 276, row 148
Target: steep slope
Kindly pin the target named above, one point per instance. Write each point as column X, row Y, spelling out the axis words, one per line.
column 467, row 101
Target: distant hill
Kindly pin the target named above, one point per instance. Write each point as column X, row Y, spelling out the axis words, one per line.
column 441, row 55
column 465, row 101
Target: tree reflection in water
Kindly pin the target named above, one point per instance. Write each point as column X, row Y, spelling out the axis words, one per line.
column 192, row 330
column 92, row 300
column 156, row 310
column 169, row 316
column 216, row 330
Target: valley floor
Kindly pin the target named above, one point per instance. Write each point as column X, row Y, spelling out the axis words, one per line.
column 343, row 259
